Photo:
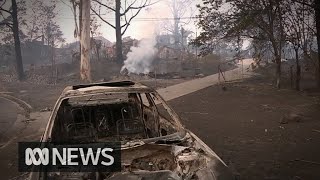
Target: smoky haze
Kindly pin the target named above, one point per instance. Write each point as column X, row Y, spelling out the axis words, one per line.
column 140, row 58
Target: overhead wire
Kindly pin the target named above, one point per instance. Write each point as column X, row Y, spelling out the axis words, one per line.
column 139, row 19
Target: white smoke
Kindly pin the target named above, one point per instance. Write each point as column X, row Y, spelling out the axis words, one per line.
column 139, row 59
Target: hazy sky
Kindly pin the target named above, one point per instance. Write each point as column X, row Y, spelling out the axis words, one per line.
column 150, row 20
column 145, row 24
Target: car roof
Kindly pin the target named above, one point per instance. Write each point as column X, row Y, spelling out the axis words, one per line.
column 106, row 87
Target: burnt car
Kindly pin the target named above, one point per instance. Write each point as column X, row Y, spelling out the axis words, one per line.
column 154, row 143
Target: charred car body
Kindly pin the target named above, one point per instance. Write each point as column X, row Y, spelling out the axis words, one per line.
column 154, row 143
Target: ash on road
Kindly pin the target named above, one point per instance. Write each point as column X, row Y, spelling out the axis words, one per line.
column 242, row 125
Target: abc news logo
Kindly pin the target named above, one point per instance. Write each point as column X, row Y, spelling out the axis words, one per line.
column 65, row 157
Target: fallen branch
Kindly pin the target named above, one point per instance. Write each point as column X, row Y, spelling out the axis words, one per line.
column 305, row 161
column 195, row 113
column 316, row 130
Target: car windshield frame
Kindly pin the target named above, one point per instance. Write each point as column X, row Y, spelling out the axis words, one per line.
column 174, row 120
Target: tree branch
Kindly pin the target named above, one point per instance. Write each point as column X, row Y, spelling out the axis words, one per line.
column 102, row 18
column 170, row 30
column 104, row 5
column 6, row 24
column 131, row 7
column 128, row 22
column 4, row 2
column 7, row 11
column 125, row 19
column 304, row 3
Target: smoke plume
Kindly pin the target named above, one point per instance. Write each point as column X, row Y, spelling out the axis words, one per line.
column 139, row 59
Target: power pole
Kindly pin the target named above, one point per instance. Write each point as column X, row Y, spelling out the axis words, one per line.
column 85, row 69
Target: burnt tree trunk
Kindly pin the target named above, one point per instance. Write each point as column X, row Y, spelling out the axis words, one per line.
column 98, row 47
column 278, row 72
column 278, row 63
column 85, row 69
column 176, row 23
column 317, row 17
column 298, row 71
column 119, row 55
column 15, row 30
column 53, row 64
column 291, row 76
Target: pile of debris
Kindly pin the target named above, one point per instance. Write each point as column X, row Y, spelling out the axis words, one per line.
column 131, row 77
column 29, row 78
column 9, row 78
column 38, row 79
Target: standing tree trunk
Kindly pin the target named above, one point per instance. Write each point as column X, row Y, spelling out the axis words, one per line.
column 53, row 63
column 291, row 76
column 15, row 29
column 176, row 23
column 98, row 47
column 80, row 24
column 121, row 12
column 278, row 47
column 298, row 70
column 278, row 62
column 278, row 71
column 85, row 70
column 119, row 55
column 317, row 17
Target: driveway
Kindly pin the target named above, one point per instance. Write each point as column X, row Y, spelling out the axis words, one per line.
column 8, row 116
column 194, row 85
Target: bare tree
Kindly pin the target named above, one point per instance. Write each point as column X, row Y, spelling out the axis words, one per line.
column 96, row 44
column 315, row 4
column 298, row 24
column 179, row 9
column 42, row 24
column 10, row 19
column 126, row 10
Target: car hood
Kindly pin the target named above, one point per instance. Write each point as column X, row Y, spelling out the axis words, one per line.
column 181, row 160
column 189, row 158
column 158, row 175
